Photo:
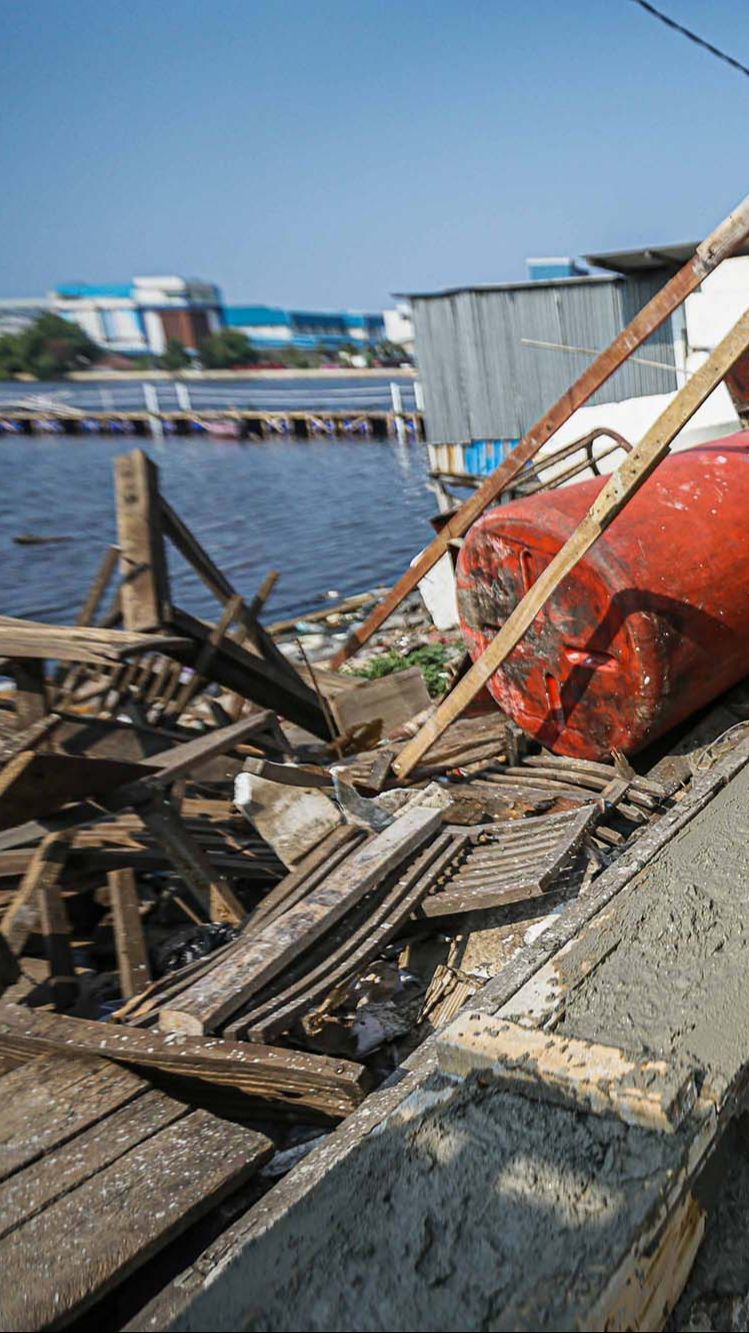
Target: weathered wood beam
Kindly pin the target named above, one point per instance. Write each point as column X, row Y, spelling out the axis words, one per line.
column 203, row 1006
column 129, row 937
column 145, row 581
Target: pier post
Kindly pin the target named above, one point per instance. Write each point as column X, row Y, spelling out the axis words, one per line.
column 183, row 397
column 397, row 400
column 151, row 399
column 419, row 396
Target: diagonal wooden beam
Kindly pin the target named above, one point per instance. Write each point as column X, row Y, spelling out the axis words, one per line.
column 616, row 493
column 716, row 247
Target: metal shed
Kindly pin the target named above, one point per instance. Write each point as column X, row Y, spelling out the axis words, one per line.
column 483, row 385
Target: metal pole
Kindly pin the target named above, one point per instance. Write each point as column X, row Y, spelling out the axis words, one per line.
column 397, row 400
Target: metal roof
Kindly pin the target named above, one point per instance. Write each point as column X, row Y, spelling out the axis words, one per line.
column 652, row 257
column 520, row 286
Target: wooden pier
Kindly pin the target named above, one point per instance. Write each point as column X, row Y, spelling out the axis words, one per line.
column 241, row 425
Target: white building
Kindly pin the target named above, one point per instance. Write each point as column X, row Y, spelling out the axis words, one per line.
column 139, row 317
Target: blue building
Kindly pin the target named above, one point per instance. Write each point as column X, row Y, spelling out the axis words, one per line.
column 270, row 327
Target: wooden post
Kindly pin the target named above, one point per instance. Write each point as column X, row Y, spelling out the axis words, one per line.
column 56, row 932
column 617, row 492
column 716, row 247
column 145, row 586
column 130, row 942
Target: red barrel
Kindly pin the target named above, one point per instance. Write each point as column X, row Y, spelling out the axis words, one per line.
column 652, row 623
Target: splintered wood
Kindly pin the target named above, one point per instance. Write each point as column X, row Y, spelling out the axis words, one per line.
column 596, row 1078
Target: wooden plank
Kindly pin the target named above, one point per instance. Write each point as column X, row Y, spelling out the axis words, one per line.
column 203, row 1006
column 544, row 1065
column 199, row 678
column 56, row 933
column 211, row 890
column 129, row 938
column 251, row 676
column 73, row 643
column 45, row 869
column 708, row 255
column 37, row 783
column 305, row 876
column 387, row 917
column 391, row 700
column 30, row 1190
column 145, row 582
column 625, row 482
column 49, row 1100
column 273, row 1075
column 91, row 1239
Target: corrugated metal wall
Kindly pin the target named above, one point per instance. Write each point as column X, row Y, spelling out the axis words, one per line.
column 480, row 382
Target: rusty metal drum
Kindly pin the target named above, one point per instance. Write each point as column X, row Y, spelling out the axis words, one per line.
column 651, row 625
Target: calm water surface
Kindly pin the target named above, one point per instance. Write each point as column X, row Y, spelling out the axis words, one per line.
column 341, row 514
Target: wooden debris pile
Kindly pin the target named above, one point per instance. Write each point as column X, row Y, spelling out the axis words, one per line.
column 215, row 889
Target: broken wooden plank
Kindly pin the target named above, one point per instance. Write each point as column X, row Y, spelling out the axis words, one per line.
column 211, row 889
column 212, row 999
column 293, row 819
column 544, row 1065
column 74, row 643
column 521, row 860
column 45, row 869
column 387, row 917
column 145, row 582
column 92, row 1238
column 390, row 700
column 251, row 676
column 37, row 783
column 129, row 938
column 625, row 482
column 275, row 1076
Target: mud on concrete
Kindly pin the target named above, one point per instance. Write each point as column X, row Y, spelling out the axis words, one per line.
column 674, row 981
column 485, row 1205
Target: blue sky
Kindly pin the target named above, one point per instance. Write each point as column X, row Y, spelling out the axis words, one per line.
column 329, row 152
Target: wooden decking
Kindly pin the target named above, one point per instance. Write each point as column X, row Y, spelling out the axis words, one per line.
column 98, row 1172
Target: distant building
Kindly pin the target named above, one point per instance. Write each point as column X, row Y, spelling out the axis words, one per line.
column 139, row 317
column 399, row 326
column 270, row 327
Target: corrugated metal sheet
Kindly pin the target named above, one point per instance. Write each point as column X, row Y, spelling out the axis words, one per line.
column 481, row 382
